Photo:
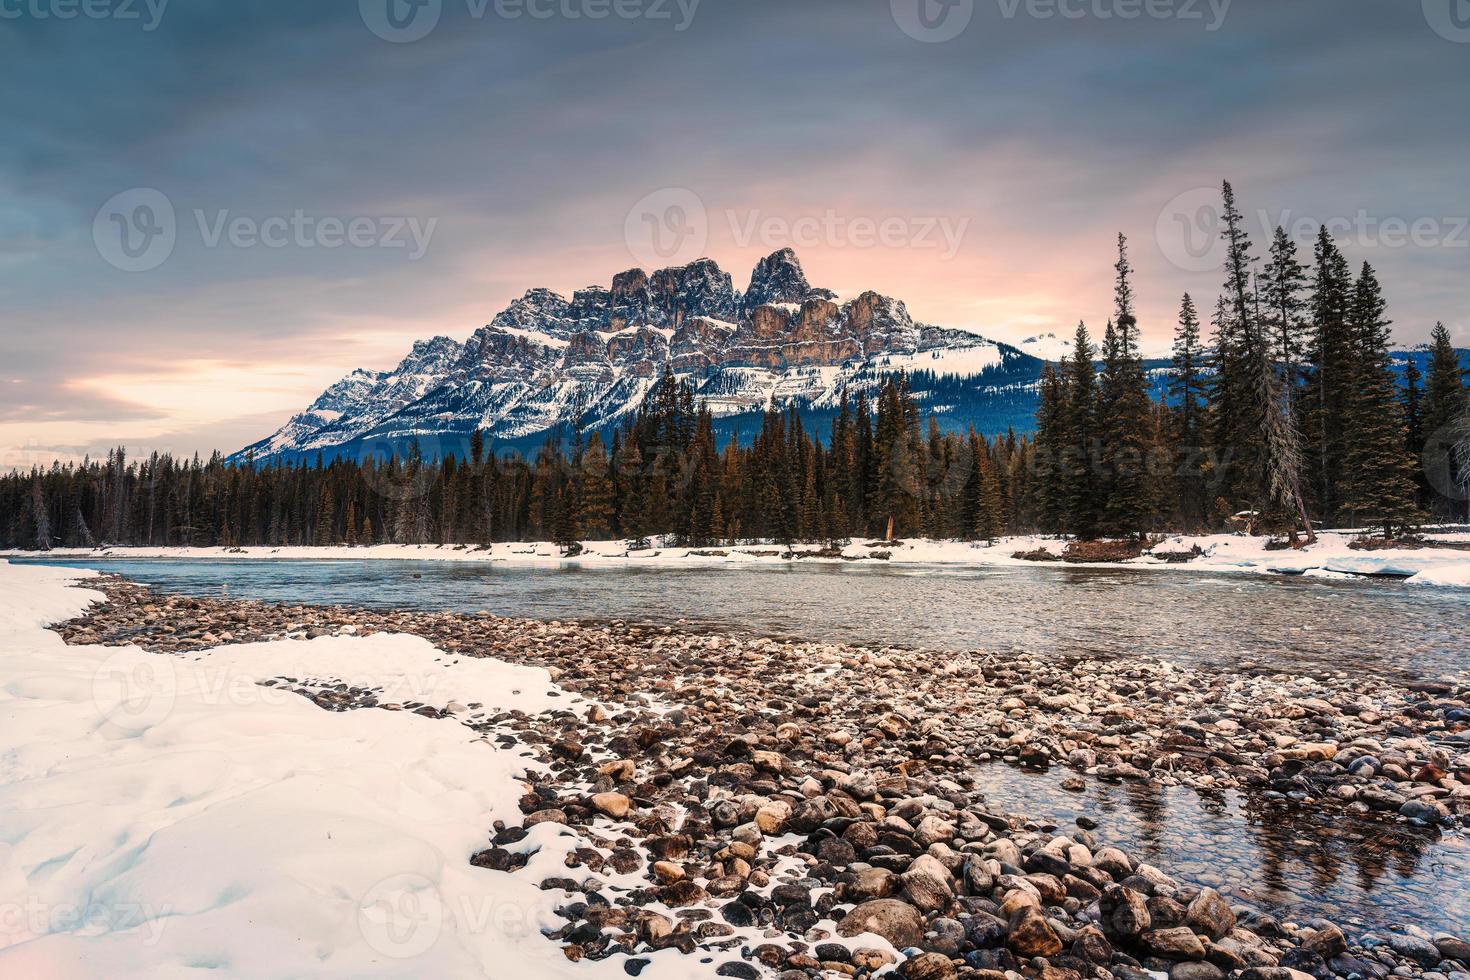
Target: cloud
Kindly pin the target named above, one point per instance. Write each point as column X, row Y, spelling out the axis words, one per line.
column 528, row 140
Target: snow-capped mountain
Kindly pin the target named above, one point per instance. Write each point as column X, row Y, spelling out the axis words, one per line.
column 359, row 401
column 1047, row 346
column 547, row 361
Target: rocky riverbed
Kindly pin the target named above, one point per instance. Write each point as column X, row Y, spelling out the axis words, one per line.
column 789, row 799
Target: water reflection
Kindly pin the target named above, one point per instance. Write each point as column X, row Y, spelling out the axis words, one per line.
column 1289, row 859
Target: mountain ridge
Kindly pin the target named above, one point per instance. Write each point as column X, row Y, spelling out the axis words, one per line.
column 548, row 361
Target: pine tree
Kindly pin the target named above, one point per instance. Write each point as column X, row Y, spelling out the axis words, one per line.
column 1126, row 416
column 1256, row 402
column 632, row 507
column 1331, row 375
column 565, row 528
column 1047, row 459
column 1081, row 508
column 1379, row 482
column 703, row 490
column 1445, row 395
column 1282, row 282
column 1446, row 406
column 40, row 533
column 1237, row 434
column 990, row 509
column 596, row 495
column 1188, row 389
column 1413, row 398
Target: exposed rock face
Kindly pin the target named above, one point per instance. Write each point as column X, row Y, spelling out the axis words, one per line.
column 698, row 289
column 546, row 360
column 778, row 278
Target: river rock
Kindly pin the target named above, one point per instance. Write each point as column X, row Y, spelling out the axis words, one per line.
column 1031, row 935
column 1209, row 914
column 898, row 922
column 928, row 966
column 1124, row 912
column 1178, row 943
column 1421, row 951
column 614, row 805
column 927, row 884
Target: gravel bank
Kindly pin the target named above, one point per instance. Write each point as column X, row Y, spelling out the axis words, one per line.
column 814, row 805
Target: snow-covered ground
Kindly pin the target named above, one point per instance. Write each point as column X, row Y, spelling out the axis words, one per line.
column 166, row 816
column 1221, row 553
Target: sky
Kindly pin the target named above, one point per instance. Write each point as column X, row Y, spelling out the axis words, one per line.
column 212, row 209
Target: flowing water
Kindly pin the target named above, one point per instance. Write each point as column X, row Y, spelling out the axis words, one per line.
column 1300, row 625
column 1288, row 858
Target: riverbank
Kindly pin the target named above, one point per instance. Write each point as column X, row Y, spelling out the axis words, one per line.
column 759, row 803
column 1446, row 564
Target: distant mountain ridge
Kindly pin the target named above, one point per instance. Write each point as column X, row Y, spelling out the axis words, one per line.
column 549, row 362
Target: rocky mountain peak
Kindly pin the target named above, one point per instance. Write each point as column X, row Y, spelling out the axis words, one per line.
column 778, row 278
column 433, row 356
column 541, row 310
column 546, row 361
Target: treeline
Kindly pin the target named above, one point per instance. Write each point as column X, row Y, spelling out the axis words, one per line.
column 878, row 472
column 1289, row 417
column 1293, row 416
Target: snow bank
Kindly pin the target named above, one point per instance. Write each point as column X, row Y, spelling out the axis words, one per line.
column 1451, row 575
column 166, row 816
column 1219, row 553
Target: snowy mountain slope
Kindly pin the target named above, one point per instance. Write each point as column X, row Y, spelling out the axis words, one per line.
column 547, row 361
column 363, row 398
